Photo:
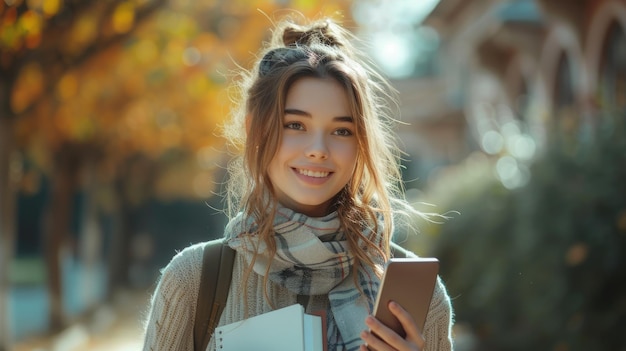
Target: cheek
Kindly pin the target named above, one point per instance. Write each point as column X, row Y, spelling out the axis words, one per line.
column 287, row 142
column 276, row 158
column 348, row 154
column 351, row 148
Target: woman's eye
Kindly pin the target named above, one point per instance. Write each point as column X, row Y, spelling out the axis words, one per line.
column 343, row 132
column 294, row 125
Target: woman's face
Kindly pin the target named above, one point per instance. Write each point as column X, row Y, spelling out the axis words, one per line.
column 317, row 154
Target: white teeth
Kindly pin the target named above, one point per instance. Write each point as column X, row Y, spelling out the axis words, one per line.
column 308, row 173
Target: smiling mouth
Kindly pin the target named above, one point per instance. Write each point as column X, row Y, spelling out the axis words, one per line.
column 314, row 174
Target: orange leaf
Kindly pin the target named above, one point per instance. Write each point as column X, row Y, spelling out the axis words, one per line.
column 124, row 17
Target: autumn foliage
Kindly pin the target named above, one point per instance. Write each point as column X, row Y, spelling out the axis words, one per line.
column 95, row 76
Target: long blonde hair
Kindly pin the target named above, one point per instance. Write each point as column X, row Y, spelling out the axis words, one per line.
column 321, row 49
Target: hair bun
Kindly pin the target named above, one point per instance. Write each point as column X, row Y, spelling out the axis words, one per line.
column 322, row 32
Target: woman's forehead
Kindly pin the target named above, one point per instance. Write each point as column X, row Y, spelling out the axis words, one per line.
column 322, row 95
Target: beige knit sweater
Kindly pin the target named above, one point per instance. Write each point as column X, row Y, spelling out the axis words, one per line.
column 173, row 306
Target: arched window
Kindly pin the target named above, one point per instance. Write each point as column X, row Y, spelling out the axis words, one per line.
column 564, row 97
column 612, row 80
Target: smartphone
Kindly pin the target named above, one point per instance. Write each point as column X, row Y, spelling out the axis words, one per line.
column 410, row 282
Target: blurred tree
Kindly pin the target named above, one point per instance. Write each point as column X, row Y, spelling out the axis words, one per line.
column 544, row 266
column 119, row 94
column 40, row 41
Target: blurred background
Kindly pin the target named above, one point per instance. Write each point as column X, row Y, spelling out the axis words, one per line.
column 111, row 158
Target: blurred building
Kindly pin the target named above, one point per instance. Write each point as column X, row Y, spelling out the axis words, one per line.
column 511, row 73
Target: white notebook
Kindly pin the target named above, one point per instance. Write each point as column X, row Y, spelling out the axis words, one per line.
column 287, row 328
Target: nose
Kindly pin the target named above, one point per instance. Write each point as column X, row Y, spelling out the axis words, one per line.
column 317, row 147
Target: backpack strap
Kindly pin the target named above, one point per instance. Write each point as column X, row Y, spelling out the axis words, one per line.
column 217, row 267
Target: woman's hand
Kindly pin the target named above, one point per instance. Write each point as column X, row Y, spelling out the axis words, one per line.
column 381, row 338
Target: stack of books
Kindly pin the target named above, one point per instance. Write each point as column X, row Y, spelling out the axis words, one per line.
column 287, row 328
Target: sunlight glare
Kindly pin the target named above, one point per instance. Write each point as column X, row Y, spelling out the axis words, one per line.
column 398, row 41
column 492, row 142
column 511, row 173
column 393, row 54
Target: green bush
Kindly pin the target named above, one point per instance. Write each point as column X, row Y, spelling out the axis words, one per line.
column 543, row 267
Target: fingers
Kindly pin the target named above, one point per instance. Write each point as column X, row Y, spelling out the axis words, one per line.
column 377, row 333
column 381, row 338
column 413, row 333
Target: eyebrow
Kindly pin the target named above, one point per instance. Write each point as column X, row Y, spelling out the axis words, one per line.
column 294, row 111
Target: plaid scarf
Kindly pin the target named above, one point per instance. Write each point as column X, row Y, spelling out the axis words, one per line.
column 312, row 258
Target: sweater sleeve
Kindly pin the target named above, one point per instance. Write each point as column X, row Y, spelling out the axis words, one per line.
column 438, row 328
column 173, row 305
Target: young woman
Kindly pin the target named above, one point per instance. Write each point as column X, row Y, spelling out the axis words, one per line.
column 314, row 194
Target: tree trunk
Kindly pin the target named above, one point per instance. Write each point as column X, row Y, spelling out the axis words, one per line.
column 118, row 256
column 90, row 240
column 134, row 186
column 7, row 226
column 56, row 242
column 9, row 176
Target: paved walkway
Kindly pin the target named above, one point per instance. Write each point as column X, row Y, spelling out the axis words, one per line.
column 118, row 327
column 112, row 327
